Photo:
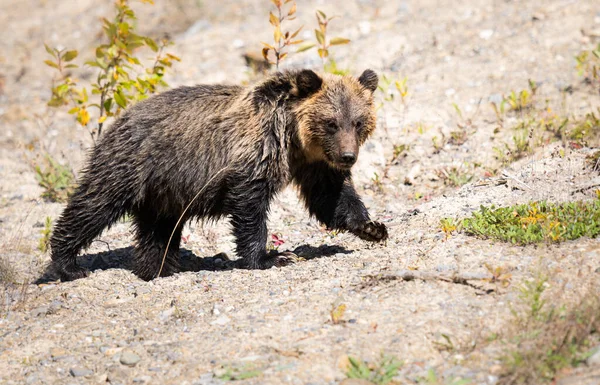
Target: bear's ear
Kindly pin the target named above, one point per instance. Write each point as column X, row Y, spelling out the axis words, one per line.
column 306, row 83
column 369, row 80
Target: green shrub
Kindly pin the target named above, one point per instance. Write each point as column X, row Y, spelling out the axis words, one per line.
column 122, row 77
column 535, row 222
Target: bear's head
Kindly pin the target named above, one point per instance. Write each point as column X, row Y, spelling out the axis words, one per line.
column 335, row 115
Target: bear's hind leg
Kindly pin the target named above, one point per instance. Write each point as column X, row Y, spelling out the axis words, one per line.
column 90, row 210
column 152, row 236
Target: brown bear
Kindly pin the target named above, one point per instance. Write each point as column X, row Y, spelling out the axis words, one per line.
column 224, row 151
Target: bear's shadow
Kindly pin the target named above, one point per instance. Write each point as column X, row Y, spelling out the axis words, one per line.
column 122, row 258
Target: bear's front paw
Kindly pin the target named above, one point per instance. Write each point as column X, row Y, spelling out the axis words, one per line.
column 372, row 232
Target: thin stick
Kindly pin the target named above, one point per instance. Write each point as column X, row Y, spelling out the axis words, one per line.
column 162, row 264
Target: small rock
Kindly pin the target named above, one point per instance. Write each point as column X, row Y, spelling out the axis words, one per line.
column 40, row 311
column 129, row 358
column 486, row 34
column 80, row 372
column 57, row 353
column 222, row 320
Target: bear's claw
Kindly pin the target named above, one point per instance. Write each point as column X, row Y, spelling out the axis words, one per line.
column 372, row 232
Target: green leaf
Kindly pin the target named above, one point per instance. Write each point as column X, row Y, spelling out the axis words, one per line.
column 120, row 99
column 151, row 43
column 320, row 36
column 69, row 55
column 49, row 50
column 339, row 41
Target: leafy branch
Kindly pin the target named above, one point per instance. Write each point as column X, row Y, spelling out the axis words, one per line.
column 282, row 39
column 122, row 78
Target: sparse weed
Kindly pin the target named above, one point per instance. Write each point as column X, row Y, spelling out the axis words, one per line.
column 547, row 336
column 588, row 65
column 500, row 275
column 519, row 101
column 122, row 78
column 332, row 68
column 390, row 88
column 55, row 179
column 454, row 176
column 377, row 183
column 379, row 373
column 46, row 232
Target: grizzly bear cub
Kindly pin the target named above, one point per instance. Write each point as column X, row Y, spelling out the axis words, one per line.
column 224, row 151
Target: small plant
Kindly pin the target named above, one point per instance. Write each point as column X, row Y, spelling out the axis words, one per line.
column 464, row 128
column 523, row 99
column 448, row 226
column 282, row 39
column 55, row 179
column 398, row 151
column 323, row 43
column 332, row 68
column 337, row 313
column 500, row 275
column 536, row 222
column 388, row 92
column 585, row 131
column 454, row 176
column 379, row 373
column 122, row 79
column 588, row 65
column 377, row 183
column 46, row 233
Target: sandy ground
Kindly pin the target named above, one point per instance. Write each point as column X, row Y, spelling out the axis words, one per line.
column 192, row 327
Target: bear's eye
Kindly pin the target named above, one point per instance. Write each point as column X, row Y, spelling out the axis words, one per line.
column 358, row 124
column 331, row 125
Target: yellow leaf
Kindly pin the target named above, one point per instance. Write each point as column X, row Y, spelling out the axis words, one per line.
column 277, row 3
column 277, row 34
column 274, row 20
column 323, row 53
column 102, row 119
column 83, row 117
column 337, row 313
column 296, row 33
column 339, row 41
column 292, row 10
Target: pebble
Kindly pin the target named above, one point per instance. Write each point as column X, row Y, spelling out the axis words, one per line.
column 129, row 358
column 80, row 372
column 222, row 320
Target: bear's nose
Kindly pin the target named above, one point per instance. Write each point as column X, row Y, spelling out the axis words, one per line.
column 348, row 157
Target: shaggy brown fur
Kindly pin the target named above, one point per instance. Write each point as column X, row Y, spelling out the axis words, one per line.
column 240, row 147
